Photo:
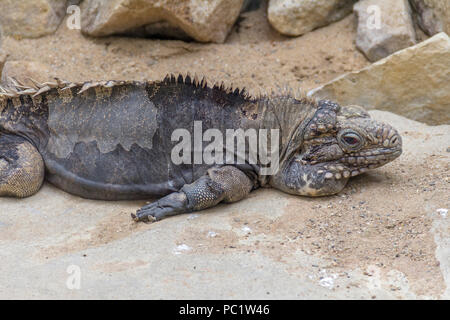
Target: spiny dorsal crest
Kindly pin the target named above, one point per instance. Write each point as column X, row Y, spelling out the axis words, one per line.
column 17, row 88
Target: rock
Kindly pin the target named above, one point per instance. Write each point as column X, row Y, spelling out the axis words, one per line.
column 297, row 17
column 433, row 16
column 23, row 70
column 203, row 21
column 413, row 82
column 384, row 27
column 31, row 18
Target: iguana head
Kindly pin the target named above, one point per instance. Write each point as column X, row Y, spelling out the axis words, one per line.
column 338, row 143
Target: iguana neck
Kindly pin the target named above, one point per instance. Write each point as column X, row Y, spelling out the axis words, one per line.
column 290, row 116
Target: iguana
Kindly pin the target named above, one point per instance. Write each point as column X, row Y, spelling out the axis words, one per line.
column 113, row 140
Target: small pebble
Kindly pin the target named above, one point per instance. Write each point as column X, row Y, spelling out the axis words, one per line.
column 442, row 211
column 212, row 234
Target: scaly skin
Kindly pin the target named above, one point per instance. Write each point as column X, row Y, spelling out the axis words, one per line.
column 111, row 140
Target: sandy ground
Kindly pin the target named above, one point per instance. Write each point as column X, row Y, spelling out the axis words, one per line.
column 382, row 237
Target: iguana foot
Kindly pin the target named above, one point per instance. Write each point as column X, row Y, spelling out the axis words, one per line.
column 172, row 204
column 227, row 184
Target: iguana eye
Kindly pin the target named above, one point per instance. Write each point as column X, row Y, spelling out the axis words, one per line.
column 351, row 140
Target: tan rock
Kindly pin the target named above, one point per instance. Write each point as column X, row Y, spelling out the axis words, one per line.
column 297, row 17
column 413, row 82
column 204, row 21
column 24, row 70
column 433, row 16
column 31, row 18
column 384, row 27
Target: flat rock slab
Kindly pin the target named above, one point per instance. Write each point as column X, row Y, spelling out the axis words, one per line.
column 361, row 243
column 297, row 17
column 413, row 82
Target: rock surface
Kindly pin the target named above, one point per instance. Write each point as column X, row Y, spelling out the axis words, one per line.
column 297, row 17
column 433, row 16
column 413, row 82
column 23, row 70
column 31, row 18
column 360, row 244
column 203, row 21
column 384, row 27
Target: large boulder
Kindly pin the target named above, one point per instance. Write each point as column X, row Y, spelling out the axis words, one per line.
column 413, row 82
column 433, row 16
column 384, row 27
column 31, row 18
column 297, row 17
column 205, row 21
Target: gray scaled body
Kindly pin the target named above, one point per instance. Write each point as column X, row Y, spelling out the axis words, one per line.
column 113, row 140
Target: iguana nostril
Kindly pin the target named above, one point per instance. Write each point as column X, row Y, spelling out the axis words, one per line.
column 394, row 141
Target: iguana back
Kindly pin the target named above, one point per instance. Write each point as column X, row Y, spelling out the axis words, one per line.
column 112, row 140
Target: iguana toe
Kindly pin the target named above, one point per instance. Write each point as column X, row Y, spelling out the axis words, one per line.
column 172, row 204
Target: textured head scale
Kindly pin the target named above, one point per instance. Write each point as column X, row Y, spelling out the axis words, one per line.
column 338, row 143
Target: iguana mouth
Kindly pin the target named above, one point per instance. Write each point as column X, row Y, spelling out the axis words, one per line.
column 360, row 162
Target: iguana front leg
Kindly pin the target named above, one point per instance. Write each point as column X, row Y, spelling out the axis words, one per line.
column 21, row 167
column 227, row 184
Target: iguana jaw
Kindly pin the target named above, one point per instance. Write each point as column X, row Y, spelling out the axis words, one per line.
column 361, row 162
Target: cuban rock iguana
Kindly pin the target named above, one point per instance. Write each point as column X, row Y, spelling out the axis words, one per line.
column 112, row 140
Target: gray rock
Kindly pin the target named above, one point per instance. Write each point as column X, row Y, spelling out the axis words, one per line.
column 384, row 27
column 413, row 82
column 433, row 16
column 205, row 21
column 297, row 17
